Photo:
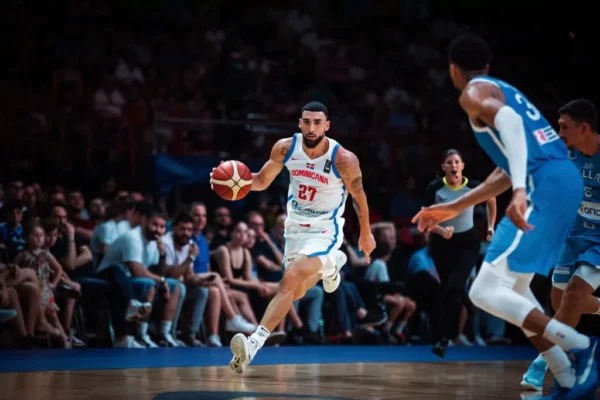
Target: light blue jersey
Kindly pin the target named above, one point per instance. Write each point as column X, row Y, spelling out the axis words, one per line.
column 587, row 222
column 554, row 188
column 583, row 243
column 543, row 143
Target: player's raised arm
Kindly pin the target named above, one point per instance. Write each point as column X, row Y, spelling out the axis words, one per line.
column 263, row 178
column 348, row 167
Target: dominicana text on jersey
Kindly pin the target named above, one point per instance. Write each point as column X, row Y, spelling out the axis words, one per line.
column 316, row 191
column 587, row 223
column 543, row 143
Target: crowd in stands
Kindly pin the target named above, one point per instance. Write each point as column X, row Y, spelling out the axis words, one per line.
column 167, row 277
column 84, row 94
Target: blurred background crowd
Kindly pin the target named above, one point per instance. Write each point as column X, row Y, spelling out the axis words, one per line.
column 103, row 102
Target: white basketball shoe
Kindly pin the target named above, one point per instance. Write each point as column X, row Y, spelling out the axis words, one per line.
column 244, row 349
column 332, row 281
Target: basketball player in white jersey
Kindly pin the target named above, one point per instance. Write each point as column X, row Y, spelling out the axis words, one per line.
column 322, row 173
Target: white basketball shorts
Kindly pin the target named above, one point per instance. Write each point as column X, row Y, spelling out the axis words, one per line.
column 318, row 239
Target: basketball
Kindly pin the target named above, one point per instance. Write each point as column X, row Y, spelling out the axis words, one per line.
column 232, row 180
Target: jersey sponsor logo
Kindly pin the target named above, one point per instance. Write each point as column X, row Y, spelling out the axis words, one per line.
column 590, row 210
column 310, row 175
column 545, row 135
column 588, row 174
column 327, row 167
column 298, row 209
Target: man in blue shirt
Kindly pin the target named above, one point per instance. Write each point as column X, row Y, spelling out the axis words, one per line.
column 202, row 261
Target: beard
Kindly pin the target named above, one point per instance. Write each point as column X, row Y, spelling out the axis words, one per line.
column 181, row 240
column 312, row 143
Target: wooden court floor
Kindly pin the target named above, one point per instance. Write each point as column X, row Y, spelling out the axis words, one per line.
column 376, row 381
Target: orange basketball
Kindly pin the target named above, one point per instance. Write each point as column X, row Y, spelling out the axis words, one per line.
column 232, row 180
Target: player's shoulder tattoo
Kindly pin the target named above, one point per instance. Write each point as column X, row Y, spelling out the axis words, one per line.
column 348, row 166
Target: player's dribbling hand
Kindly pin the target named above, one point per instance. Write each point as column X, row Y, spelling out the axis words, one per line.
column 429, row 217
column 366, row 243
column 211, row 176
column 516, row 210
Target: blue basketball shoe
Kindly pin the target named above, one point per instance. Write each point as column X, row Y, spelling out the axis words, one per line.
column 533, row 379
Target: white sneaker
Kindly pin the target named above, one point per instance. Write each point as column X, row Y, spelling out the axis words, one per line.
column 332, row 282
column 243, row 351
column 463, row 340
column 239, row 324
column 214, row 340
column 145, row 339
column 170, row 340
column 128, row 342
column 479, row 341
column 137, row 310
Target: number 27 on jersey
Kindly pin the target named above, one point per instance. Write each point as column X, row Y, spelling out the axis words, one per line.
column 306, row 192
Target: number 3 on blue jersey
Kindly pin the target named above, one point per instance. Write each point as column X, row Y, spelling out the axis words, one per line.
column 531, row 112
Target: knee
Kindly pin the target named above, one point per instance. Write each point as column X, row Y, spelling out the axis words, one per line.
column 478, row 294
column 410, row 305
column 30, row 291
column 291, row 281
column 213, row 292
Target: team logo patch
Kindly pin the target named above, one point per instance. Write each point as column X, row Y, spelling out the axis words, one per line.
column 310, row 165
column 327, row 167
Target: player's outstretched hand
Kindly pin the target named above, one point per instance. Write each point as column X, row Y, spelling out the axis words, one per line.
column 366, row 243
column 516, row 210
column 429, row 217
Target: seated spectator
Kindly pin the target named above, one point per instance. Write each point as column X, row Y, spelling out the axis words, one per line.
column 68, row 292
column 106, row 232
column 26, row 284
column 12, row 239
column 10, row 309
column 180, row 255
column 401, row 308
column 126, row 265
column 49, row 273
column 222, row 226
column 70, row 248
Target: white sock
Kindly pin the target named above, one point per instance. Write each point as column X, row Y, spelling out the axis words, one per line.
column 565, row 336
column 165, row 327
column 259, row 336
column 142, row 328
column 597, row 312
column 560, row 365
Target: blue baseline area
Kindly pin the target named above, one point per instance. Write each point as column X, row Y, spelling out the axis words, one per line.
column 100, row 359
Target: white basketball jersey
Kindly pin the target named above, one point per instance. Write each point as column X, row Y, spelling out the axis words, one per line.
column 316, row 191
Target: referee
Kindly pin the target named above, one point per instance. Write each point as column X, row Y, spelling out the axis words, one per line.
column 454, row 247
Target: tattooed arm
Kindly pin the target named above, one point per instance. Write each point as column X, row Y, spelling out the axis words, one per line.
column 348, row 167
column 262, row 179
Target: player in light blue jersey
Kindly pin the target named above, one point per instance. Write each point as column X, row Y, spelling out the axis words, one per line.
column 547, row 191
column 576, row 275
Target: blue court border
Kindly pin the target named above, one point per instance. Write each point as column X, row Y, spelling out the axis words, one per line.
column 105, row 359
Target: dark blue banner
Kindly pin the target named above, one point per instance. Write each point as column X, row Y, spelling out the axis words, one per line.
column 171, row 171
